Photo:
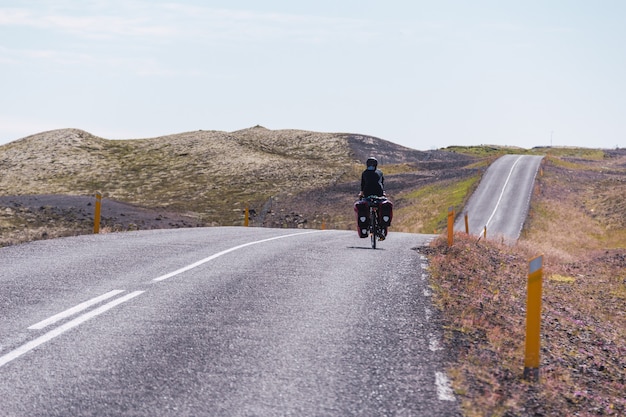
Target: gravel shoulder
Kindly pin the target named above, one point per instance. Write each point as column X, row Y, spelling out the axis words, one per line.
column 74, row 214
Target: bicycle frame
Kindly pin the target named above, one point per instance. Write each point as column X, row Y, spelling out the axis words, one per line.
column 375, row 229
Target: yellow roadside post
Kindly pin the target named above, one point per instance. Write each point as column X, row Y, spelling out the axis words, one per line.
column 96, row 216
column 485, row 232
column 246, row 218
column 450, row 226
column 466, row 224
column 533, row 319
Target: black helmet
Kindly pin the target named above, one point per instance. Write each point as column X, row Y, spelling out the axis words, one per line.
column 372, row 162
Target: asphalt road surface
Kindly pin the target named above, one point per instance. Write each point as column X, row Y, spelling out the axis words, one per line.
column 502, row 198
column 220, row 322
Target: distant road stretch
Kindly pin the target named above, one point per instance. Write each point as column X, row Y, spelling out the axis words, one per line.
column 220, row 322
column 502, row 198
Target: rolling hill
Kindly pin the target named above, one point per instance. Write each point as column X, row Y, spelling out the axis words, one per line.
column 288, row 178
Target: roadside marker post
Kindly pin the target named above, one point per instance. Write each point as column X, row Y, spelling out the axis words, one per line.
column 450, row 226
column 96, row 216
column 246, row 219
column 466, row 224
column 533, row 319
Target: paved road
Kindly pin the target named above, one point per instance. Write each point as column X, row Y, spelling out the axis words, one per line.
column 502, row 198
column 219, row 322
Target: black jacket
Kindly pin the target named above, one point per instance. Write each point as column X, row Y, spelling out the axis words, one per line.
column 372, row 182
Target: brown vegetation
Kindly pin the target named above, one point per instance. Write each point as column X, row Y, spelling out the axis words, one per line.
column 577, row 223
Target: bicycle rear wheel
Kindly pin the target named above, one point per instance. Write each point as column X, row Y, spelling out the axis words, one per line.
column 373, row 227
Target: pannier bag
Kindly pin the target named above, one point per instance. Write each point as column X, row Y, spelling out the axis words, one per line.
column 362, row 211
column 386, row 213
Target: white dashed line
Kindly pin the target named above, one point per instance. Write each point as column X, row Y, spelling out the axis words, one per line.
column 433, row 343
column 444, row 392
column 27, row 347
column 74, row 310
column 14, row 354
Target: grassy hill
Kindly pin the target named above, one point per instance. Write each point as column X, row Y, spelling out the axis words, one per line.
column 186, row 172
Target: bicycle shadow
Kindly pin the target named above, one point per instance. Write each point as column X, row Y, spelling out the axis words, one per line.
column 364, row 247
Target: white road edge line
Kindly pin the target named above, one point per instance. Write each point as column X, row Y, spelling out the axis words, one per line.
column 433, row 343
column 503, row 188
column 224, row 252
column 14, row 354
column 444, row 392
column 74, row 310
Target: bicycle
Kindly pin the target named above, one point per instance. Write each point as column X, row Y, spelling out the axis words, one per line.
column 376, row 230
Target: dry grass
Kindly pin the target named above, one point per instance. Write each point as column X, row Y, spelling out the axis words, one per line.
column 425, row 210
column 202, row 172
column 480, row 289
column 23, row 224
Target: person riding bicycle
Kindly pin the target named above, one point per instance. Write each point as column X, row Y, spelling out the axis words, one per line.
column 372, row 184
column 372, row 179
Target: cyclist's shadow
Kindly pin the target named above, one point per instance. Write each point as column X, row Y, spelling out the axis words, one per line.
column 364, row 247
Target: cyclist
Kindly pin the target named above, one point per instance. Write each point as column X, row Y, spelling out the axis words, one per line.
column 372, row 184
column 372, row 179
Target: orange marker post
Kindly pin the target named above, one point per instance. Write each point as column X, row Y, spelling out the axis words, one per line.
column 450, row 226
column 533, row 319
column 96, row 216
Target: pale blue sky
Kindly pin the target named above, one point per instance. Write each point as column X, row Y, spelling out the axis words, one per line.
column 424, row 74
